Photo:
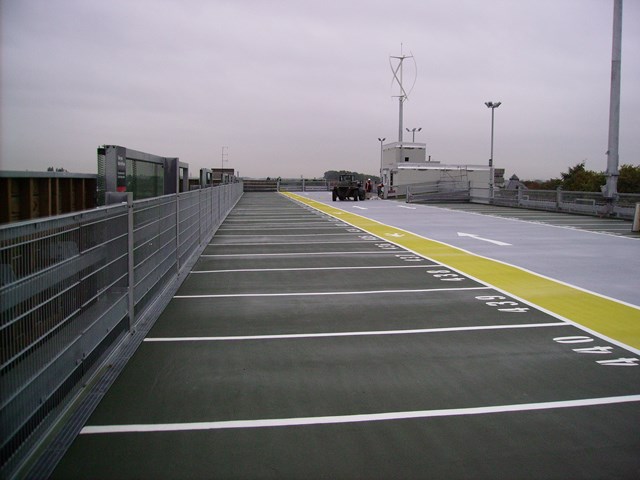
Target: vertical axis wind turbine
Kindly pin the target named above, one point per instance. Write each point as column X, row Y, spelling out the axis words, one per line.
column 398, row 77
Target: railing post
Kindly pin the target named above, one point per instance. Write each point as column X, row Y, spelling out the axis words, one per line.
column 200, row 217
column 558, row 197
column 636, row 219
column 177, row 233
column 130, row 262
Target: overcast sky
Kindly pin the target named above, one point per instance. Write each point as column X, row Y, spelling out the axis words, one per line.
column 297, row 87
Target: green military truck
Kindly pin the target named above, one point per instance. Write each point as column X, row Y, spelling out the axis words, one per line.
column 348, row 187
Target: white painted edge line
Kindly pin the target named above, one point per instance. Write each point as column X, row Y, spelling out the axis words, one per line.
column 360, row 418
column 313, row 269
column 314, row 294
column 358, row 334
column 523, row 220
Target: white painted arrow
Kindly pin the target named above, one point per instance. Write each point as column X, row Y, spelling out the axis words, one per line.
column 473, row 235
column 397, row 235
column 360, row 208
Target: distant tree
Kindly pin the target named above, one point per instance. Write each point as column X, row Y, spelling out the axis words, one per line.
column 629, row 179
column 333, row 175
column 551, row 184
column 579, row 179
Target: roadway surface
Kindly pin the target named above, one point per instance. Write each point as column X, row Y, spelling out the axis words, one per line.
column 309, row 342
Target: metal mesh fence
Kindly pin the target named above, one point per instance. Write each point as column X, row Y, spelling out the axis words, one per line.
column 65, row 296
column 587, row 203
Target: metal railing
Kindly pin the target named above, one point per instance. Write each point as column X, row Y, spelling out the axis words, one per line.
column 302, row 185
column 441, row 191
column 73, row 286
column 586, row 203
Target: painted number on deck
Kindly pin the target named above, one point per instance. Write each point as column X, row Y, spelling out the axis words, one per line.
column 502, row 304
column 597, row 350
column 386, row 246
column 446, row 275
column 407, row 257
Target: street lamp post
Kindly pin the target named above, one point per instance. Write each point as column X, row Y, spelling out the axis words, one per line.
column 414, row 130
column 381, row 140
column 492, row 106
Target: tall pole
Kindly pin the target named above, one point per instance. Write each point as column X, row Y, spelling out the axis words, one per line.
column 492, row 106
column 398, row 76
column 401, row 99
column 381, row 140
column 414, row 130
column 491, row 157
column 611, row 188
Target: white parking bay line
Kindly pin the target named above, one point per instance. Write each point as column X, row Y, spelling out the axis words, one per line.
column 294, row 234
column 313, row 294
column 413, row 331
column 301, row 254
column 373, row 267
column 359, row 418
column 323, row 242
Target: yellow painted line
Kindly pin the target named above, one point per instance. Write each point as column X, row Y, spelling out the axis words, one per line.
column 611, row 318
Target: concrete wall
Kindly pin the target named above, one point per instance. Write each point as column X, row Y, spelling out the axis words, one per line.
column 405, row 152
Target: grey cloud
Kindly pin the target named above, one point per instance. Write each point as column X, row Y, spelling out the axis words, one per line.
column 300, row 87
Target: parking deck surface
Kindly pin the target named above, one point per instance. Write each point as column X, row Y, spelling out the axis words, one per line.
column 309, row 342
